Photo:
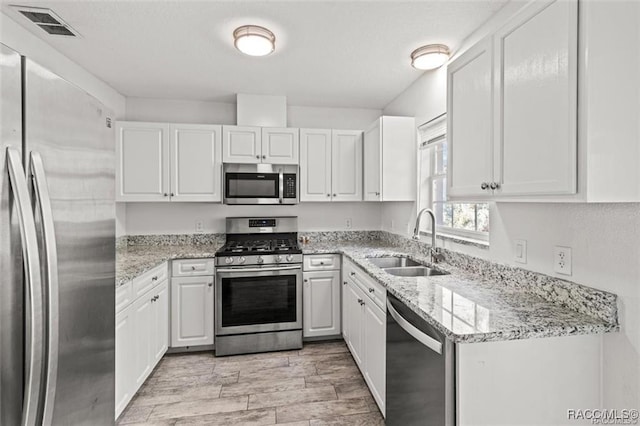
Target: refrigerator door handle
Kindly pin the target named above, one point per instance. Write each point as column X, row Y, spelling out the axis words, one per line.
column 33, row 322
column 43, row 201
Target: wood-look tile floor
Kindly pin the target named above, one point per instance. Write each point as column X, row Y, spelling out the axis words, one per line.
column 317, row 385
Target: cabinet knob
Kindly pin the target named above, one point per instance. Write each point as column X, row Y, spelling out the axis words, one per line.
column 371, row 290
column 334, row 195
column 484, row 185
column 165, row 194
column 211, row 284
column 377, row 193
column 322, row 263
column 193, row 268
column 264, row 157
column 173, row 195
column 344, row 283
column 154, row 278
column 306, row 280
column 328, row 195
column 258, row 157
column 494, row 185
column 361, row 302
column 353, row 274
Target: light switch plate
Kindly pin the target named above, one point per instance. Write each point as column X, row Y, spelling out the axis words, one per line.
column 562, row 260
column 520, row 251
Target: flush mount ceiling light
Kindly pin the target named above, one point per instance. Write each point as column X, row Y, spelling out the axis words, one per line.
column 254, row 40
column 430, row 57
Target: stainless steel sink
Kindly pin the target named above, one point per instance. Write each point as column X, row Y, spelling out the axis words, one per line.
column 393, row 262
column 414, row 271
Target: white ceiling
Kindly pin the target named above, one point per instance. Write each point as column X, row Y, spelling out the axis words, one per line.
column 332, row 53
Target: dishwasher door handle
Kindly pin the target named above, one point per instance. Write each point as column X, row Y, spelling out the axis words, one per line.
column 426, row 340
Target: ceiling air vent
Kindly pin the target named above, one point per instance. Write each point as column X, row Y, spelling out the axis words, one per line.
column 47, row 20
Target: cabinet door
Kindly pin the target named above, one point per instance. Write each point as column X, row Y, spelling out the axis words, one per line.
column 536, row 100
column 470, row 115
column 241, row 144
column 196, row 162
column 142, row 152
column 125, row 357
column 345, row 308
column 354, row 308
column 143, row 319
column 315, row 165
column 398, row 160
column 160, row 325
column 346, row 165
column 280, row 145
column 373, row 162
column 375, row 335
column 321, row 303
column 191, row 311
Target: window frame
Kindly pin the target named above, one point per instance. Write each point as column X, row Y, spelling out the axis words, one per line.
column 431, row 134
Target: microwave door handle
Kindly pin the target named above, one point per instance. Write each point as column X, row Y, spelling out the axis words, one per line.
column 281, row 177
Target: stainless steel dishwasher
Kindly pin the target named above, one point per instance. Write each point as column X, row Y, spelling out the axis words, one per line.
column 420, row 370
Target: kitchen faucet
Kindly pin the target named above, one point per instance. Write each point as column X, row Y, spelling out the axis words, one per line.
column 436, row 255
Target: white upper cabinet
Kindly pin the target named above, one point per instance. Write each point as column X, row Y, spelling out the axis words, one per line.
column 536, row 56
column 346, row 165
column 253, row 145
column 512, row 108
column 330, row 165
column 280, row 145
column 470, row 118
column 168, row 162
column 315, row 165
column 196, row 162
column 390, row 159
column 142, row 151
column 242, row 144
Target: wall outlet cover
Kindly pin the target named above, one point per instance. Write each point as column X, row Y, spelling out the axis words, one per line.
column 348, row 223
column 562, row 260
column 199, row 225
column 520, row 251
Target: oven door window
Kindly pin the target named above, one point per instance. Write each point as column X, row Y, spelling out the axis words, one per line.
column 252, row 185
column 258, row 300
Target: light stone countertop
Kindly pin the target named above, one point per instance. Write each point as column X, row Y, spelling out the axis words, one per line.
column 464, row 306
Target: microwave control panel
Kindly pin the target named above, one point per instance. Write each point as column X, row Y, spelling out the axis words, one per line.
column 289, row 186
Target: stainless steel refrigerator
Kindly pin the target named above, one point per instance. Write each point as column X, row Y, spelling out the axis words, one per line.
column 57, row 250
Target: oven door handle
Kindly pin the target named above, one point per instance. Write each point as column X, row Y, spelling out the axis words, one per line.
column 283, row 268
column 281, row 179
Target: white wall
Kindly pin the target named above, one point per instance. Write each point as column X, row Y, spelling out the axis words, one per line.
column 605, row 238
column 176, row 218
column 179, row 218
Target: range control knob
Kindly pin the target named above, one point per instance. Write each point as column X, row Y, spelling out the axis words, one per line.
column 228, row 260
column 260, row 259
column 242, row 259
column 278, row 258
column 289, row 258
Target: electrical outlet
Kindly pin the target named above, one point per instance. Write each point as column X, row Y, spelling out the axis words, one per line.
column 393, row 224
column 562, row 260
column 348, row 223
column 520, row 254
column 199, row 225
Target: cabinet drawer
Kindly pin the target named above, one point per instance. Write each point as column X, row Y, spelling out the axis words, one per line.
column 371, row 288
column 192, row 267
column 124, row 296
column 321, row 262
column 149, row 279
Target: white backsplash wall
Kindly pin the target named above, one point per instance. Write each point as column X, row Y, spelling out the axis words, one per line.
column 180, row 218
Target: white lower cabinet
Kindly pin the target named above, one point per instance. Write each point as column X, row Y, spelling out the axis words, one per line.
column 365, row 328
column 321, row 296
column 142, row 337
column 191, row 311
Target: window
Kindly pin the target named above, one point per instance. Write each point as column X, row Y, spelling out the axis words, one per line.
column 469, row 220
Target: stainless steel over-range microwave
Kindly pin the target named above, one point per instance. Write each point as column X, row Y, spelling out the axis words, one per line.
column 260, row 183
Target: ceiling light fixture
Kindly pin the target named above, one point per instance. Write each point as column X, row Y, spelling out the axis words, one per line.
column 253, row 40
column 430, row 57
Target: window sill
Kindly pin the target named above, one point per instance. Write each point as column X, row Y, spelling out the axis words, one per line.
column 459, row 239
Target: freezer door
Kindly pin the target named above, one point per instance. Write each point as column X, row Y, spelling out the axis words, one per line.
column 71, row 132
column 11, row 289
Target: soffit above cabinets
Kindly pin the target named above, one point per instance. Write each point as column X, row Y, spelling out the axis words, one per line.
column 331, row 53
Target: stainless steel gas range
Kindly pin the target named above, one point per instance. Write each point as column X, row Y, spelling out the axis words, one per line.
column 259, row 286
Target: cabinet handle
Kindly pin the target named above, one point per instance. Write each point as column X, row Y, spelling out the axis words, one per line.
column 377, row 193
column 264, row 157
column 193, row 268
column 344, row 283
column 154, row 278
column 210, row 284
column 361, row 302
column 371, row 290
column 321, row 263
column 306, row 280
column 353, row 274
column 484, row 185
column 494, row 185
